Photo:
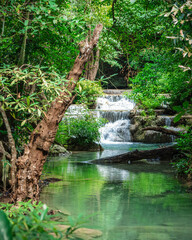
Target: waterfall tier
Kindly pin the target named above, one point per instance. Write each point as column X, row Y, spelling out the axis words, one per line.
column 116, row 109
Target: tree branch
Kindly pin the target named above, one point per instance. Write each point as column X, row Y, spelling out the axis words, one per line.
column 113, row 11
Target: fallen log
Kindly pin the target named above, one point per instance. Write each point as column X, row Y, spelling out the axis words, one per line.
column 163, row 154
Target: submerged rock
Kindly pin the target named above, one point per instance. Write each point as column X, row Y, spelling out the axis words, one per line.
column 82, row 233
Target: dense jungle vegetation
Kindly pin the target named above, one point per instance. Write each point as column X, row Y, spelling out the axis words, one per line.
column 145, row 45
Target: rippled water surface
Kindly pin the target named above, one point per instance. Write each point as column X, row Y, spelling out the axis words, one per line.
column 126, row 202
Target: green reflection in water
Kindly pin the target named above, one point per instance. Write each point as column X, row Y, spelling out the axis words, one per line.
column 131, row 204
column 148, row 184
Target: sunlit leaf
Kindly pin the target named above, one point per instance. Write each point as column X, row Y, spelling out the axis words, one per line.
column 5, row 227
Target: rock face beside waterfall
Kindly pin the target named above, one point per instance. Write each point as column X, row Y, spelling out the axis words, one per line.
column 138, row 122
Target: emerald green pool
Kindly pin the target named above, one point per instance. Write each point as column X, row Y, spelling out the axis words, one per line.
column 125, row 202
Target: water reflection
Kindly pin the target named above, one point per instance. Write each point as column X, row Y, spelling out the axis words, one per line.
column 114, row 174
column 134, row 203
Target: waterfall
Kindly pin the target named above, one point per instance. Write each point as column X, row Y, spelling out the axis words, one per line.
column 116, row 109
column 168, row 121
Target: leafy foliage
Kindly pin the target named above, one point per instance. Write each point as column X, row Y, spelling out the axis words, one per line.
column 82, row 130
column 183, row 166
column 180, row 13
column 26, row 94
column 5, row 227
column 30, row 221
column 47, row 31
column 85, row 130
column 87, row 92
column 63, row 132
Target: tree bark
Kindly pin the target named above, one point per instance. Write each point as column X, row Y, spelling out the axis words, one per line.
column 164, row 154
column 30, row 164
column 12, row 146
column 92, row 66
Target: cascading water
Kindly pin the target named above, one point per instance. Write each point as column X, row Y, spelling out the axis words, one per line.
column 116, row 109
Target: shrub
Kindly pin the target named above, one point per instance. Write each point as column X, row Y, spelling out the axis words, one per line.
column 87, row 92
column 82, row 130
column 62, row 135
column 85, row 130
column 183, row 166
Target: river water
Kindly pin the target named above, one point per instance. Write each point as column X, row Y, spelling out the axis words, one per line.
column 125, row 202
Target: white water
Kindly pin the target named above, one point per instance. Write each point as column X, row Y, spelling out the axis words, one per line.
column 167, row 121
column 115, row 109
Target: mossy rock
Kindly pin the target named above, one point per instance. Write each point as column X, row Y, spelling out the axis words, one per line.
column 56, row 150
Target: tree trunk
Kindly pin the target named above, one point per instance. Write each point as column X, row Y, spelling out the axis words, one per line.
column 12, row 146
column 30, row 164
column 23, row 47
column 92, row 66
column 164, row 154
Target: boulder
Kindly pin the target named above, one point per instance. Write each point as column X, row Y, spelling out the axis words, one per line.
column 56, row 150
column 156, row 137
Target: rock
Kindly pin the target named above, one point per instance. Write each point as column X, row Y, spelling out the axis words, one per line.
column 133, row 128
column 56, row 149
column 93, row 147
column 164, row 120
column 82, row 233
column 156, row 137
column 87, row 234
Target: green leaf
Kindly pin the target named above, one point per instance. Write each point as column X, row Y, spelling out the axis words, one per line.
column 71, row 221
column 28, row 101
column 45, row 210
column 80, row 88
column 26, row 22
column 5, row 227
column 38, row 112
column 177, row 108
column 186, row 104
column 178, row 117
column 23, row 123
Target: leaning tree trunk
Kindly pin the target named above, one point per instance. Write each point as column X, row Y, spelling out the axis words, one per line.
column 30, row 164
